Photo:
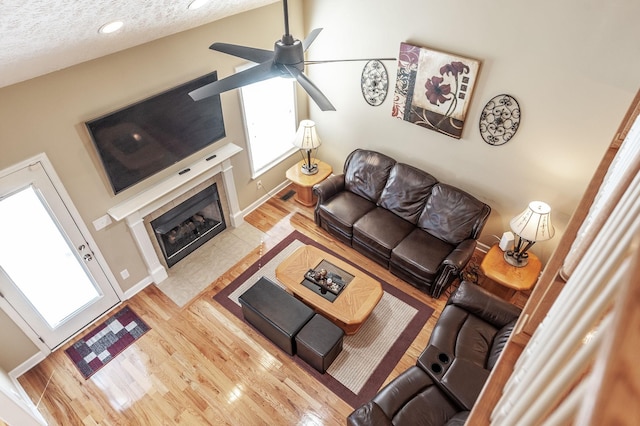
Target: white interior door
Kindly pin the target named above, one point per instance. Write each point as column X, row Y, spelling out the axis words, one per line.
column 48, row 272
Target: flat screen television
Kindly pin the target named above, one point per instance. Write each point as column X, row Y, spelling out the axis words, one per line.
column 148, row 136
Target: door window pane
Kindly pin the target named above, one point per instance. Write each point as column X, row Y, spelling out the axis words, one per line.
column 39, row 261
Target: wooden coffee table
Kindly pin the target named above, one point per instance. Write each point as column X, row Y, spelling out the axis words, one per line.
column 353, row 305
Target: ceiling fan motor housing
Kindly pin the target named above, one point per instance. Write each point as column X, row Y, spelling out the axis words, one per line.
column 289, row 54
column 286, row 60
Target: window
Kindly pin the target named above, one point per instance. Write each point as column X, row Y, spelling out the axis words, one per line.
column 269, row 110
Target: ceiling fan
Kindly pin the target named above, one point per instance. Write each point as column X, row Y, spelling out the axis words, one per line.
column 286, row 60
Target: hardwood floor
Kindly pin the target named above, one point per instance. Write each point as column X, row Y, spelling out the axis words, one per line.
column 201, row 365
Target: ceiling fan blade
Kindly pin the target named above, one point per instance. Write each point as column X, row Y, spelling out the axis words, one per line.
column 249, row 53
column 261, row 72
column 318, row 97
column 310, row 38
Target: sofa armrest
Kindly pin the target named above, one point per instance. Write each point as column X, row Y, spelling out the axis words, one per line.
column 411, row 398
column 329, row 187
column 452, row 265
column 392, row 398
column 370, row 414
column 401, row 390
column 459, row 257
column 484, row 305
column 325, row 190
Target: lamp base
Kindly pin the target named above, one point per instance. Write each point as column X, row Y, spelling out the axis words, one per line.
column 515, row 259
column 309, row 169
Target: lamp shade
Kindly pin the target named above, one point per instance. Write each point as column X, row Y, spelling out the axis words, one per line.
column 306, row 136
column 534, row 224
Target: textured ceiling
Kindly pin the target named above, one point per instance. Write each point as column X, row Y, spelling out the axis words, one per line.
column 41, row 36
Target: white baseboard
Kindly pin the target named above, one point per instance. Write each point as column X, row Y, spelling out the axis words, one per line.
column 138, row 287
column 483, row 247
column 27, row 365
column 265, row 198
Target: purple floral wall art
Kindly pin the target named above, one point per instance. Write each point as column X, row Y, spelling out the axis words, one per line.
column 433, row 89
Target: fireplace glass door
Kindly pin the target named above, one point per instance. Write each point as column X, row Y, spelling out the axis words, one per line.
column 189, row 225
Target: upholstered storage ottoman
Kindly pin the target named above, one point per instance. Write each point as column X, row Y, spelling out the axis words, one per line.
column 275, row 313
column 319, row 342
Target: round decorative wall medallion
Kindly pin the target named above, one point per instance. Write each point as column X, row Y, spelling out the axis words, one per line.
column 374, row 82
column 500, row 120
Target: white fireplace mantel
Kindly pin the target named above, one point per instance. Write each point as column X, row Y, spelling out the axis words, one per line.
column 134, row 209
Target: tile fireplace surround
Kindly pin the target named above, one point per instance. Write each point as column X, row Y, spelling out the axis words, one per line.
column 133, row 210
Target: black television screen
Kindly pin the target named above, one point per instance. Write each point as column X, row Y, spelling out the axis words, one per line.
column 142, row 139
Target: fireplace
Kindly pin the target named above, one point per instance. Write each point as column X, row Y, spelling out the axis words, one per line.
column 145, row 206
column 189, row 225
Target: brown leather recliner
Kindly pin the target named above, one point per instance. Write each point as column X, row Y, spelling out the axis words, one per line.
column 422, row 230
column 449, row 374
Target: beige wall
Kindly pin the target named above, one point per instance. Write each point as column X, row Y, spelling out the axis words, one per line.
column 16, row 347
column 573, row 66
column 47, row 114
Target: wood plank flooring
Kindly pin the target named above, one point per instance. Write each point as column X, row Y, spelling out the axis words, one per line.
column 201, row 365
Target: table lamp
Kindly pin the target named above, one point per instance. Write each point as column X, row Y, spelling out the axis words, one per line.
column 533, row 224
column 307, row 140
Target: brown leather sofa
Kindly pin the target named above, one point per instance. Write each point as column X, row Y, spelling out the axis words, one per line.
column 422, row 230
column 450, row 373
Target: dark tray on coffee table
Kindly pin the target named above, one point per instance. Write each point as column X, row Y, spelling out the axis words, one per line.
column 339, row 280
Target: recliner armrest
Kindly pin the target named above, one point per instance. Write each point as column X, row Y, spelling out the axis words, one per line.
column 401, row 390
column 452, row 265
column 328, row 187
column 459, row 257
column 370, row 414
column 483, row 304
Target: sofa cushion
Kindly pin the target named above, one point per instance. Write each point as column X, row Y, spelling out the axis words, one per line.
column 498, row 344
column 464, row 381
column 475, row 337
column 452, row 215
column 343, row 210
column 413, row 398
column 430, row 407
column 445, row 333
column 366, row 173
column 420, row 254
column 462, row 335
column 380, row 231
column 406, row 191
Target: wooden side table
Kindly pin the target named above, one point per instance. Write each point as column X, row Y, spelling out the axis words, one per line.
column 304, row 183
column 511, row 278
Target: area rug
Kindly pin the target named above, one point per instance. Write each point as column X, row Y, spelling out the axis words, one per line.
column 369, row 356
column 102, row 344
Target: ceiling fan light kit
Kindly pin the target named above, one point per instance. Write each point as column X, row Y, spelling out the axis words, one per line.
column 286, row 60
